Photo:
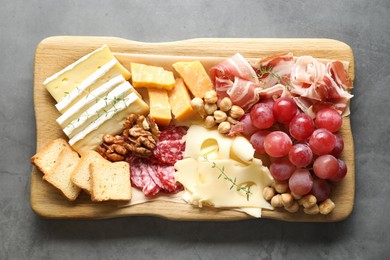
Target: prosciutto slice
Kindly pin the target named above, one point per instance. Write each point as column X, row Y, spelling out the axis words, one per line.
column 234, row 67
column 244, row 93
column 280, row 65
column 317, row 85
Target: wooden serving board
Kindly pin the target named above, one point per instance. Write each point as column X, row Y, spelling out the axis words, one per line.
column 55, row 53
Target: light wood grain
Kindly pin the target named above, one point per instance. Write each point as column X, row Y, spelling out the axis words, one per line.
column 54, row 53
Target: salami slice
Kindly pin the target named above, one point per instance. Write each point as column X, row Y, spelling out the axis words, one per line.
column 156, row 173
column 142, row 175
column 173, row 133
column 166, row 174
column 169, row 151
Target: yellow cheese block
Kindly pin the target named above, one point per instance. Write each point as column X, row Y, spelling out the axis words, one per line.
column 180, row 101
column 151, row 77
column 195, row 77
column 160, row 109
column 66, row 80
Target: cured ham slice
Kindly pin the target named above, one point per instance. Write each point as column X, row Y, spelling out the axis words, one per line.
column 317, row 85
column 235, row 78
column 235, row 66
column 275, row 92
column 279, row 65
column 339, row 74
column 244, row 93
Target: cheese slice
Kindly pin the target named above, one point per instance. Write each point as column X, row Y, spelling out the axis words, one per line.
column 87, row 101
column 73, row 75
column 180, row 101
column 91, row 137
column 207, row 186
column 108, row 71
column 160, row 108
column 199, row 142
column 242, row 150
column 195, row 77
column 100, row 108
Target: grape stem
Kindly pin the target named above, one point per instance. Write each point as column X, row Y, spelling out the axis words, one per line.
column 245, row 188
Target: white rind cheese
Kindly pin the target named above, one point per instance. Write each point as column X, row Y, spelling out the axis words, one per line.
column 87, row 101
column 114, row 125
column 112, row 100
column 100, row 120
column 74, row 74
column 84, row 87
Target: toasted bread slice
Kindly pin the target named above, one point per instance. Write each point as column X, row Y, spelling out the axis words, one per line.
column 46, row 159
column 60, row 175
column 81, row 176
column 110, row 181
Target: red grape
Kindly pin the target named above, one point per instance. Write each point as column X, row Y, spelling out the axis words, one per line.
column 330, row 119
column 325, row 166
column 257, row 140
column 338, row 147
column 300, row 155
column 247, row 126
column 341, row 172
column 262, row 116
column 277, row 144
column 322, row 141
column 281, row 169
column 320, row 189
column 269, row 102
column 285, row 109
column 301, row 126
column 301, row 182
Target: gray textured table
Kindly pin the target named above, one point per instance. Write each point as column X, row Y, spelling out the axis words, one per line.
column 364, row 25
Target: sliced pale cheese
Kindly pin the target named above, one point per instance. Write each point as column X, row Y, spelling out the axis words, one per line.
column 207, row 181
column 100, row 108
column 109, row 70
column 160, row 109
column 90, row 138
column 242, row 150
column 199, row 138
column 87, row 101
column 195, row 77
column 108, row 115
column 180, row 101
column 73, row 75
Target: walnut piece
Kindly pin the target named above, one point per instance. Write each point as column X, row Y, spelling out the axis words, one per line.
column 139, row 138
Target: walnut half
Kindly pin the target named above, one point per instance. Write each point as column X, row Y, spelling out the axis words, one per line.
column 139, row 138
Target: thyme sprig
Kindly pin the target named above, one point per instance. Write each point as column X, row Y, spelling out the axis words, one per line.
column 114, row 101
column 273, row 74
column 223, row 174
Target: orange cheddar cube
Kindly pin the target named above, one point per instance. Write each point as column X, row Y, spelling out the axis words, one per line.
column 180, row 101
column 160, row 109
column 151, row 77
column 195, row 77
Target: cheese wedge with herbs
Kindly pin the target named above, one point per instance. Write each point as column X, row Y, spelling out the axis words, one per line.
column 180, row 101
column 160, row 109
column 195, row 77
column 102, row 75
column 65, row 81
column 87, row 101
column 151, row 77
column 99, row 109
column 111, row 123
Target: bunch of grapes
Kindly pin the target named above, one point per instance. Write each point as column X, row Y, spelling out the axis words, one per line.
column 304, row 152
